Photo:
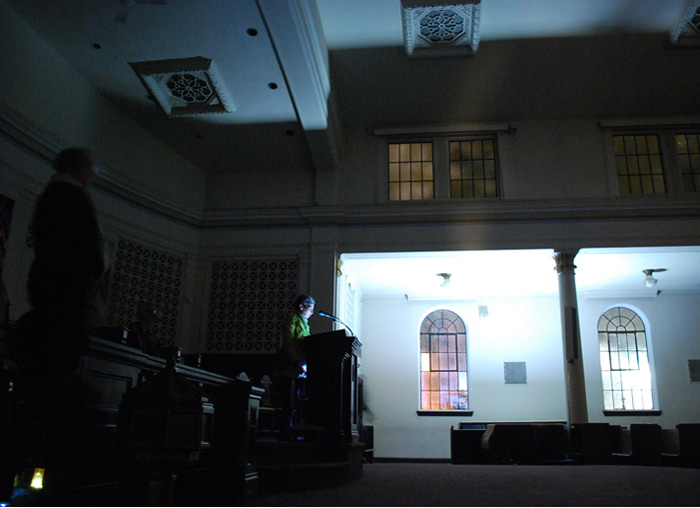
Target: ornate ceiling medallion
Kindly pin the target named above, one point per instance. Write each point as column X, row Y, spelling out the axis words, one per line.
column 185, row 86
column 436, row 30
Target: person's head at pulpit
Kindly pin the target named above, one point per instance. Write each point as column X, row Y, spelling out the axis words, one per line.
column 306, row 305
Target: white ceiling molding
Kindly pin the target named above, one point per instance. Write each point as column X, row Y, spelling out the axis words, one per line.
column 297, row 35
column 649, row 123
column 185, row 86
column 45, row 145
column 687, row 27
column 431, row 29
column 446, row 129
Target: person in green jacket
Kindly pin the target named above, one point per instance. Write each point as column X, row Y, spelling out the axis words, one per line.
column 290, row 357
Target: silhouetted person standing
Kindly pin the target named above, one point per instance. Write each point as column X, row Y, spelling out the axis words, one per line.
column 64, row 282
column 69, row 265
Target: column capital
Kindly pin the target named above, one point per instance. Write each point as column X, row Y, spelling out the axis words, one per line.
column 565, row 260
column 338, row 267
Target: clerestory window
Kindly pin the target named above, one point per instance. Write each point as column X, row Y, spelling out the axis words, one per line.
column 473, row 169
column 411, row 171
column 638, row 163
column 688, row 150
column 657, row 160
column 444, row 167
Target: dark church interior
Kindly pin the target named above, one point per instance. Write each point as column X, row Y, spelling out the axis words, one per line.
column 495, row 205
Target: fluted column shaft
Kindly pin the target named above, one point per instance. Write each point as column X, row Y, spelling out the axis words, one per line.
column 577, row 407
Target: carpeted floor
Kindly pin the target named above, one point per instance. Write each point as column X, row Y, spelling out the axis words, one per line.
column 442, row 484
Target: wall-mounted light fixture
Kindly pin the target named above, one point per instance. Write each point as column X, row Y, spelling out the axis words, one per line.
column 650, row 281
column 445, row 279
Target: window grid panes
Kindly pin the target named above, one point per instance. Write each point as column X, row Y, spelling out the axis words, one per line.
column 411, row 171
column 443, row 362
column 638, row 163
column 624, row 361
column 688, row 147
column 473, row 169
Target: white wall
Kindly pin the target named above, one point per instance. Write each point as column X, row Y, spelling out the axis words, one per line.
column 674, row 335
column 516, row 330
column 268, row 186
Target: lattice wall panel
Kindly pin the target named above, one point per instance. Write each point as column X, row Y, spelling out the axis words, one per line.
column 247, row 303
column 141, row 273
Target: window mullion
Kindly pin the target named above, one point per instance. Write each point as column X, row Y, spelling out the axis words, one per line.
column 442, row 168
column 670, row 161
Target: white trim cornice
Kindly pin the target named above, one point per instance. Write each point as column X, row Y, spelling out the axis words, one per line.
column 650, row 123
column 680, row 206
column 446, row 129
column 40, row 143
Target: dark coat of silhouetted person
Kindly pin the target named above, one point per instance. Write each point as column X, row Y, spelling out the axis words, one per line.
column 68, row 270
column 65, row 280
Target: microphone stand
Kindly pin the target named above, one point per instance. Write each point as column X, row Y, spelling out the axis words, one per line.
column 337, row 320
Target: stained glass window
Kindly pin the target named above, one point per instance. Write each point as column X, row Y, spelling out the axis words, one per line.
column 443, row 362
column 624, row 361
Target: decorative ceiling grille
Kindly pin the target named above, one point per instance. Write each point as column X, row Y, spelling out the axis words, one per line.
column 687, row 27
column 432, row 30
column 185, row 86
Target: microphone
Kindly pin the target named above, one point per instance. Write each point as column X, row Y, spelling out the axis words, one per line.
column 336, row 319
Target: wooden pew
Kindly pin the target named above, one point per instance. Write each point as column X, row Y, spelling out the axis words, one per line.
column 71, row 430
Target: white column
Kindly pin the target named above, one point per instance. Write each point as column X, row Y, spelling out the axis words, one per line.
column 577, row 408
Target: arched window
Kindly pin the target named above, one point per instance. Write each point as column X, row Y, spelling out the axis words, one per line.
column 443, row 361
column 624, row 361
